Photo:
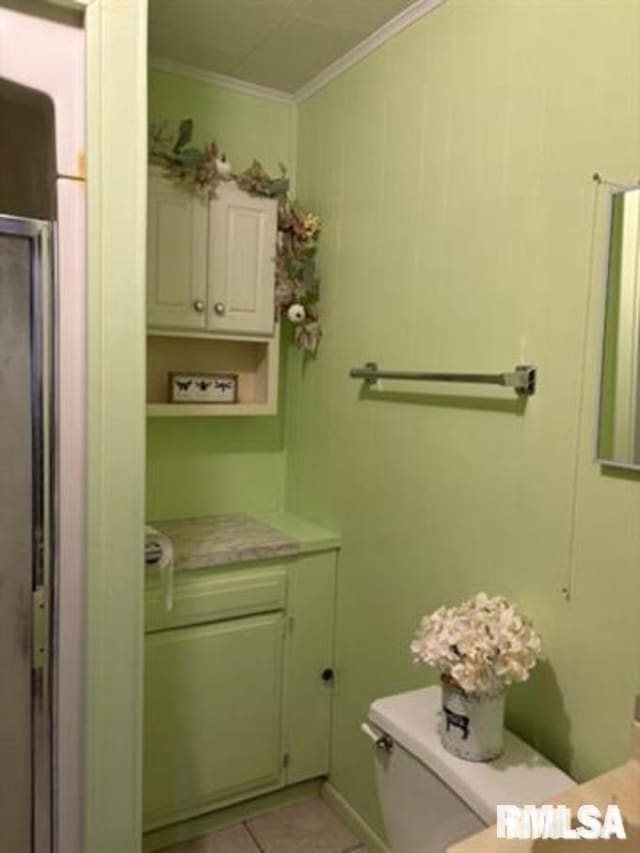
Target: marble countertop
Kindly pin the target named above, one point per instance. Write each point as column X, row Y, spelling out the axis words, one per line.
column 219, row 540
column 620, row 786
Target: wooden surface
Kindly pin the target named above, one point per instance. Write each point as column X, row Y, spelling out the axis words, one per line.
column 112, row 654
column 620, row 786
column 178, row 221
column 256, row 362
column 241, row 262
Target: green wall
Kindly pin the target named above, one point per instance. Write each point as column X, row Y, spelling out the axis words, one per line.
column 453, row 170
column 200, row 466
column 462, row 231
column 243, row 125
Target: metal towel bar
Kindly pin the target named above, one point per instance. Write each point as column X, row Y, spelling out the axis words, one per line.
column 522, row 379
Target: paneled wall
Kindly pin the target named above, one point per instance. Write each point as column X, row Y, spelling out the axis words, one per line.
column 452, row 168
column 199, row 466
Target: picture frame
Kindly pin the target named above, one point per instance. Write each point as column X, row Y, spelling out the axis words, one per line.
column 203, row 388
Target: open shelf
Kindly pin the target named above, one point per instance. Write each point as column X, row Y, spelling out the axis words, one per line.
column 254, row 361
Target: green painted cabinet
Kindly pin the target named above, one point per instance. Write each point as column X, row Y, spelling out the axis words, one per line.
column 213, row 715
column 238, row 685
column 309, row 669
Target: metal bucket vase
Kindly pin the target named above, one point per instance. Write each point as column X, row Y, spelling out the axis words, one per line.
column 471, row 727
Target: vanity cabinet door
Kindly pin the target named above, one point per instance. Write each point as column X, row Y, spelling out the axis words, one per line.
column 176, row 257
column 213, row 716
column 242, row 249
column 309, row 679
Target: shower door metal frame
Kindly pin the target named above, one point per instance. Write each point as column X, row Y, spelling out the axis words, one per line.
column 44, row 564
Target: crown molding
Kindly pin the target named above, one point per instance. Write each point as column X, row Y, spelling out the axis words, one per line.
column 391, row 28
column 372, row 42
column 190, row 71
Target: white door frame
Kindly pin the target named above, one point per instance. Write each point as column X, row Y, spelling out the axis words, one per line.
column 108, row 629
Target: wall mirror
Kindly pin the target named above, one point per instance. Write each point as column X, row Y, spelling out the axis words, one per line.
column 618, row 441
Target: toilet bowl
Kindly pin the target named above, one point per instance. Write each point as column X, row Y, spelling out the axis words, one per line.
column 431, row 799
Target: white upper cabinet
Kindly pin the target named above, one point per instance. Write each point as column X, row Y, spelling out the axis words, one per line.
column 176, row 256
column 211, row 267
column 242, row 249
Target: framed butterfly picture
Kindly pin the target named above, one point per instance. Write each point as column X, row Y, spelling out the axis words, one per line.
column 203, row 388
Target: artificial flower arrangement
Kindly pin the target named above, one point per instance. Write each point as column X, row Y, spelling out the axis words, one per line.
column 481, row 646
column 201, row 170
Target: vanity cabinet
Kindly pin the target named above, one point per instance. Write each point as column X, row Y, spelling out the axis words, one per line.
column 211, row 265
column 213, row 717
column 310, row 676
column 238, row 684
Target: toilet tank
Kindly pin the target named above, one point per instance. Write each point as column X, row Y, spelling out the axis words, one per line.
column 421, row 814
column 431, row 799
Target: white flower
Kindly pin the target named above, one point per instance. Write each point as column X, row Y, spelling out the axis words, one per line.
column 296, row 313
column 311, row 224
column 223, row 166
column 483, row 644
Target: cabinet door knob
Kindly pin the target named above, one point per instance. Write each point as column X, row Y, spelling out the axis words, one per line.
column 199, row 305
column 219, row 308
column 327, row 675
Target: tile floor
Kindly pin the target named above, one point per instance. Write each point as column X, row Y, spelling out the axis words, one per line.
column 305, row 827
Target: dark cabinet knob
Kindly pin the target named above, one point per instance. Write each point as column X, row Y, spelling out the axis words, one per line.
column 327, row 674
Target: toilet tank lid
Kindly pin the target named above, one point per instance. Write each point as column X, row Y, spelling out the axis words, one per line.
column 519, row 776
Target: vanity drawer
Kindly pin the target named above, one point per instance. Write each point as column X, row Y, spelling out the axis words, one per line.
column 215, row 597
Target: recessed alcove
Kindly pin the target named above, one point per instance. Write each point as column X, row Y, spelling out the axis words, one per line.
column 253, row 360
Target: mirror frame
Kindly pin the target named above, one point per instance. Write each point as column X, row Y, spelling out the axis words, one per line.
column 612, row 191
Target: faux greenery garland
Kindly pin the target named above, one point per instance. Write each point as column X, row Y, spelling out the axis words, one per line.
column 203, row 169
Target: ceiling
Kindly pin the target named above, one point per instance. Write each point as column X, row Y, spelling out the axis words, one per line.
column 281, row 44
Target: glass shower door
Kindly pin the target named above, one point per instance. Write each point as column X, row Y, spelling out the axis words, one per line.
column 25, row 535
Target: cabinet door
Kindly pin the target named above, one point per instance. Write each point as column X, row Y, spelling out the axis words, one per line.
column 177, row 257
column 213, row 707
column 309, row 687
column 242, row 246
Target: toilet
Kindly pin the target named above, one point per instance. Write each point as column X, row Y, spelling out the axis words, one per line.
column 431, row 799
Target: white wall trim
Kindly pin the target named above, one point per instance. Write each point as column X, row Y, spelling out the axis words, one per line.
column 372, row 42
column 403, row 19
column 221, row 80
